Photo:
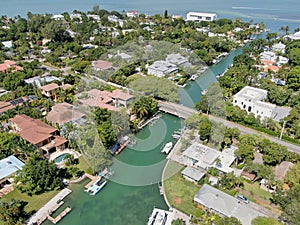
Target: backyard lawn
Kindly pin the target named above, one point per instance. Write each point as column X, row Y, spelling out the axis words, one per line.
column 180, row 192
column 83, row 165
column 34, row 202
column 255, row 190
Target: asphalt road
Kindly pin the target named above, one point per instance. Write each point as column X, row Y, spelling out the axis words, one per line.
column 184, row 112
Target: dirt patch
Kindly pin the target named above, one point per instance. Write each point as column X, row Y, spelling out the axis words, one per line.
column 178, row 201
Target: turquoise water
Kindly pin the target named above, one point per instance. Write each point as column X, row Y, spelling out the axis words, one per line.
column 60, row 158
column 275, row 13
column 128, row 199
column 192, row 92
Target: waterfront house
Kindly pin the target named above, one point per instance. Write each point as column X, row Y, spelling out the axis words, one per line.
column 121, row 98
column 252, row 100
column 201, row 156
column 225, row 204
column 62, row 113
column 193, row 174
column 107, row 100
column 8, row 168
column 199, row 16
column 102, row 65
column 177, row 59
column 162, row 69
column 38, row 133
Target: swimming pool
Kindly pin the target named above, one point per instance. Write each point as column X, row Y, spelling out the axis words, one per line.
column 60, row 158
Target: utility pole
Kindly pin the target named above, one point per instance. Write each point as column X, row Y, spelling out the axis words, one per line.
column 284, row 122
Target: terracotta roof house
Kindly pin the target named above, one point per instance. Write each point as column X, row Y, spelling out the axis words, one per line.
column 49, row 89
column 9, row 64
column 103, row 65
column 121, row 98
column 38, row 133
column 62, row 113
column 5, row 106
column 108, row 100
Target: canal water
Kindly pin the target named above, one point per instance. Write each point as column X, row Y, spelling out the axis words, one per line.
column 192, row 92
column 130, row 195
column 133, row 192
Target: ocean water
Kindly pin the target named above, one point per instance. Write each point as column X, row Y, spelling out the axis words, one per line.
column 275, row 13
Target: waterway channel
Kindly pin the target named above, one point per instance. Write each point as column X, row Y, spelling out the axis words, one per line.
column 133, row 190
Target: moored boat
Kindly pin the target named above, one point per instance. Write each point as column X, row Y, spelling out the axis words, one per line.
column 167, row 148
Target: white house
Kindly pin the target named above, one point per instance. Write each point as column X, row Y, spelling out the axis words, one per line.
column 162, row 68
column 93, row 16
column 132, row 13
column 268, row 55
column 177, row 59
column 279, row 47
column 252, row 100
column 201, row 156
column 199, row 16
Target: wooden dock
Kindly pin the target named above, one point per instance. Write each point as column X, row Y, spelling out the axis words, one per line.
column 93, row 180
column 60, row 216
column 122, row 147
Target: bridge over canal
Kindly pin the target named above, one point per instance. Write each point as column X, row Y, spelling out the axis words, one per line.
column 184, row 112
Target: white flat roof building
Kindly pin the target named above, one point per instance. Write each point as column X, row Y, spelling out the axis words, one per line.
column 177, row 59
column 199, row 16
column 162, row 68
column 225, row 204
column 252, row 100
column 201, row 155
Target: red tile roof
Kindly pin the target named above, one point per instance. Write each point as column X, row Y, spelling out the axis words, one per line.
column 121, row 95
column 103, row 65
column 5, row 106
column 32, row 130
column 9, row 64
column 50, row 87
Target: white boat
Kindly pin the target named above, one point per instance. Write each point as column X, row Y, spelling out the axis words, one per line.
column 167, row 148
column 203, row 92
column 176, row 136
column 97, row 186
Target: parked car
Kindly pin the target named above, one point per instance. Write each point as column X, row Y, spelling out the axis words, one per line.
column 243, row 198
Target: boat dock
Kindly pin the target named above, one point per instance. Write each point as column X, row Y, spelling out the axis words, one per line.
column 50, row 207
column 122, row 147
column 150, row 121
column 92, row 178
column 60, row 216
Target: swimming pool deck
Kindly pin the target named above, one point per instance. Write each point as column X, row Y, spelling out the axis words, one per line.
column 43, row 213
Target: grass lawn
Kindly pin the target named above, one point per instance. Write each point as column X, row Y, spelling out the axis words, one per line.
column 34, row 202
column 83, row 165
column 180, row 192
column 255, row 190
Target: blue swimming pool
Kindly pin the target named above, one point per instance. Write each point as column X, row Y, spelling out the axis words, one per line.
column 60, row 158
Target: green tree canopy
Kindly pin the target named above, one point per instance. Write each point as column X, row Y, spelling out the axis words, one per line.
column 12, row 213
column 157, row 87
column 38, row 176
column 261, row 220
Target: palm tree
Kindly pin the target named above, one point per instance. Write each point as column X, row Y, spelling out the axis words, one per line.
column 285, row 29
